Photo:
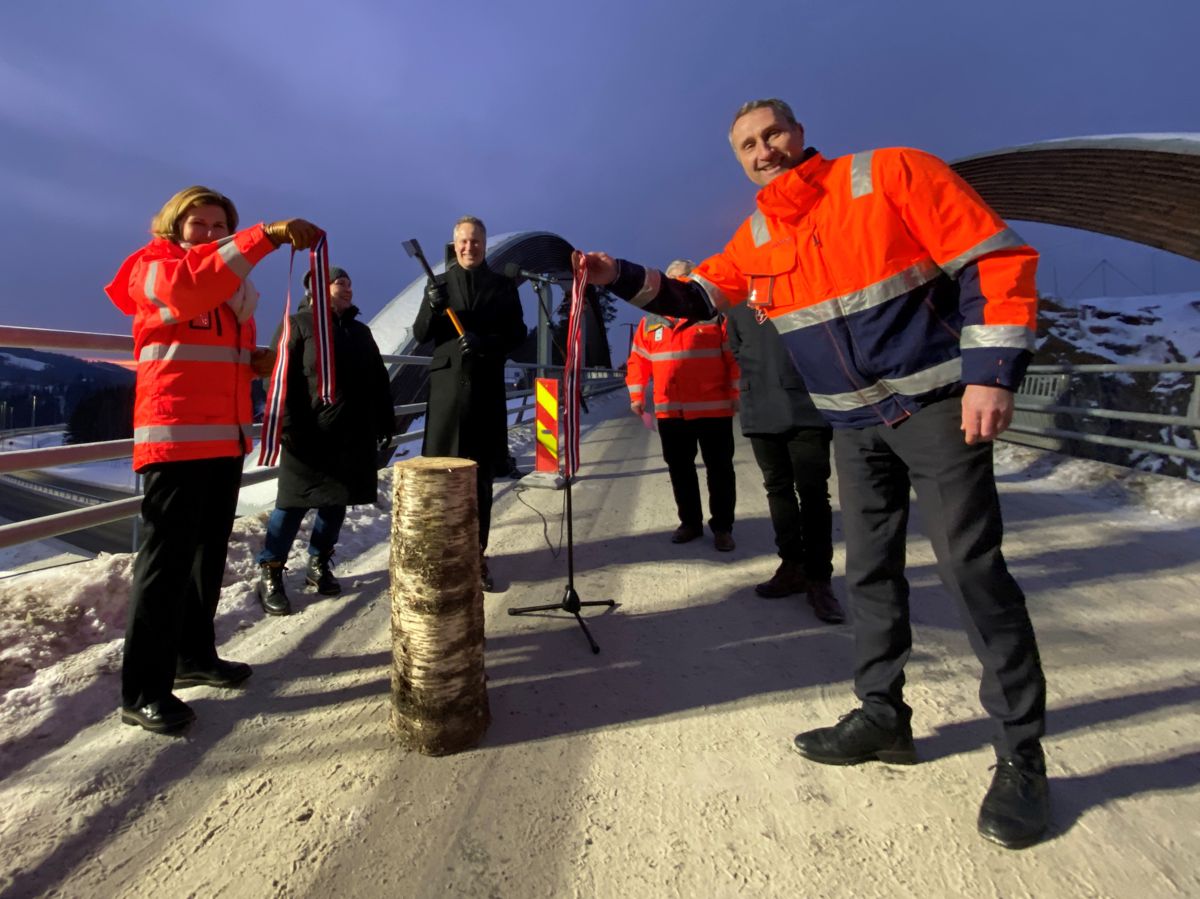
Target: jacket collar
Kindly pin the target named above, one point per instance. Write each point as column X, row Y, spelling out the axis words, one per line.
column 797, row 190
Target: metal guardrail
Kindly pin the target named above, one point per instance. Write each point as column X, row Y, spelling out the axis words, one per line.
column 1044, row 419
column 102, row 513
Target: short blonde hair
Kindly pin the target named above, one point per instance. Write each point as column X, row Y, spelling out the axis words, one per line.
column 679, row 268
column 469, row 220
column 166, row 221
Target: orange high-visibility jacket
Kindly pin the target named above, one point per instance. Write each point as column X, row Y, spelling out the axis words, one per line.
column 694, row 372
column 890, row 280
column 193, row 355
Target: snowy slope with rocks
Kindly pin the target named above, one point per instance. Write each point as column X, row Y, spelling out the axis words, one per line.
column 1161, row 329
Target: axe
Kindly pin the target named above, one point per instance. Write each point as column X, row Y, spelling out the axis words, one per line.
column 413, row 249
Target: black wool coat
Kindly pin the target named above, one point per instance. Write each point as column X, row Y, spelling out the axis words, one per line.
column 467, row 416
column 329, row 452
column 774, row 398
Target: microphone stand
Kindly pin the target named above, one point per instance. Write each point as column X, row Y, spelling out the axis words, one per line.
column 570, row 601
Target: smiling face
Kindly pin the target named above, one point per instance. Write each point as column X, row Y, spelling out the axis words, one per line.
column 469, row 243
column 203, row 224
column 766, row 144
column 341, row 294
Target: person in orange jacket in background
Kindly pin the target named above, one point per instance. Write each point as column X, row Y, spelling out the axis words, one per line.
column 695, row 397
column 194, row 343
column 909, row 308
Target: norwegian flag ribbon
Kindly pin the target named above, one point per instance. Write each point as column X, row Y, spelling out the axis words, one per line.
column 573, row 368
column 318, row 280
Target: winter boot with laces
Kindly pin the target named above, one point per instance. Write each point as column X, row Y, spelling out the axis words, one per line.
column 318, row 575
column 270, row 590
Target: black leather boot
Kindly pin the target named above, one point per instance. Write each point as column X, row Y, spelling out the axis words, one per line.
column 318, row 575
column 271, row 594
column 856, row 738
column 1016, row 810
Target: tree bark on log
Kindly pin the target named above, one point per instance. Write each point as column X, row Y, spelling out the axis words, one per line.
column 439, row 696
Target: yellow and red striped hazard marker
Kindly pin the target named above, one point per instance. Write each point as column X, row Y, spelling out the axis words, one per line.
column 546, row 391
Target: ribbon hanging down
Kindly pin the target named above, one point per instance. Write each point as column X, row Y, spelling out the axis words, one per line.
column 318, row 280
column 573, row 369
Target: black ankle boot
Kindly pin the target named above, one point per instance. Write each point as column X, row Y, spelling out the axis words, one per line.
column 270, row 590
column 318, row 575
column 1016, row 810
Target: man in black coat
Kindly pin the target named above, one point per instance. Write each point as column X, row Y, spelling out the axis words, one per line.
column 467, row 415
column 790, row 439
column 330, row 452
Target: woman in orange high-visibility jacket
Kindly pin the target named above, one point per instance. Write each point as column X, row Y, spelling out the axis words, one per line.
column 908, row 307
column 194, row 343
column 695, row 380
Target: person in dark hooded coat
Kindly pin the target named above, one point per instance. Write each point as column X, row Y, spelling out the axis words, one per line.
column 467, row 414
column 330, row 452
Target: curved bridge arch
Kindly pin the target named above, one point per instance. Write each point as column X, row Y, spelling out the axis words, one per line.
column 1140, row 187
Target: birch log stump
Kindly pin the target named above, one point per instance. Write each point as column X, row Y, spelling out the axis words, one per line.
column 439, row 698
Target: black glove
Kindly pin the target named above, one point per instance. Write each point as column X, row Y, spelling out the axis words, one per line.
column 470, row 344
column 329, row 417
column 437, row 297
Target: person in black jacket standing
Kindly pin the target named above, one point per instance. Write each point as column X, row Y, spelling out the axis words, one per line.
column 330, row 452
column 790, row 439
column 467, row 415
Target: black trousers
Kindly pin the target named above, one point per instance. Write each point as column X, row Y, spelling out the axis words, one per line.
column 483, row 491
column 795, row 468
column 960, row 509
column 187, row 516
column 714, row 436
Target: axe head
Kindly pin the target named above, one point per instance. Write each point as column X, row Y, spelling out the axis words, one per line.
column 412, row 248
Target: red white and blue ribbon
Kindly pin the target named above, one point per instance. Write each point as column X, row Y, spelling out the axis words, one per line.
column 573, row 369
column 318, row 280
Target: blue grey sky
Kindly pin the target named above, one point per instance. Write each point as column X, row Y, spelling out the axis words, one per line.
column 603, row 122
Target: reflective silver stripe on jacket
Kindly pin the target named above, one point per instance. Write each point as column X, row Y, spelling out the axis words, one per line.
column 932, row 378
column 999, row 241
column 758, row 228
column 1016, row 337
column 637, row 388
column 183, row 352
column 671, row 355
column 163, row 312
column 860, row 174
column 232, row 254
column 185, row 433
column 716, row 299
column 700, row 406
column 649, row 289
column 859, row 300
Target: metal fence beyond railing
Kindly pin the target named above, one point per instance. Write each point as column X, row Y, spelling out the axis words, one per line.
column 1065, row 408
column 596, row 381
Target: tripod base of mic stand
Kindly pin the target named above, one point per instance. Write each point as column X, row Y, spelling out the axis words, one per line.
column 570, row 603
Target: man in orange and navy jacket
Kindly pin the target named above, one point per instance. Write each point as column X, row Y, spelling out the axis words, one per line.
column 908, row 306
column 695, row 397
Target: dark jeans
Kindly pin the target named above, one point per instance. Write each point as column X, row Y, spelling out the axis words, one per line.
column 956, row 493
column 795, row 468
column 714, row 436
column 187, row 515
column 284, row 525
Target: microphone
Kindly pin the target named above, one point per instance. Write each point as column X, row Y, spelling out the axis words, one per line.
column 514, row 271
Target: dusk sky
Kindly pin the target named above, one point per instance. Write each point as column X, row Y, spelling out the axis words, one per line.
column 603, row 122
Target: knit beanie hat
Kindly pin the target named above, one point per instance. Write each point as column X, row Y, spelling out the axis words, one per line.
column 334, row 274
